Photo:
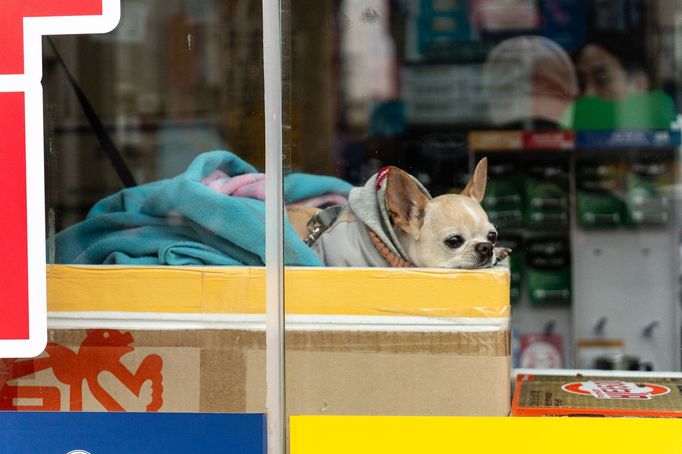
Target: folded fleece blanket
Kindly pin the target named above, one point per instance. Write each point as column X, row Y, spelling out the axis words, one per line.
column 182, row 221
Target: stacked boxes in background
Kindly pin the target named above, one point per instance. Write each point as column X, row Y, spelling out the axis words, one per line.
column 646, row 202
column 597, row 200
column 548, row 274
column 515, row 243
column 546, row 193
column 504, row 205
column 623, row 191
column 547, row 220
column 528, row 200
column 504, row 194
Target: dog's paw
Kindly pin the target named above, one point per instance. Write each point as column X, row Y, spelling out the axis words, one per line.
column 501, row 253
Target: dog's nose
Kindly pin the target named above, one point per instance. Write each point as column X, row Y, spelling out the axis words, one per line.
column 484, row 248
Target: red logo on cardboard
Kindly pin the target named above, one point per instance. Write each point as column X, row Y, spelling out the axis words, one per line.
column 616, row 389
column 102, row 350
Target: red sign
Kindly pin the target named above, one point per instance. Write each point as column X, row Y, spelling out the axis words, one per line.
column 562, row 140
column 616, row 389
column 23, row 23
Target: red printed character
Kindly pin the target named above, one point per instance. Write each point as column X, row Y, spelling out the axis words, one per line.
column 100, row 351
column 22, row 232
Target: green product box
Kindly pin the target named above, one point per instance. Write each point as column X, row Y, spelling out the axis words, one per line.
column 516, row 264
column 549, row 287
column 590, row 171
column 548, row 273
column 596, row 209
column 504, row 195
column 598, row 200
column 546, row 203
column 547, row 191
column 645, row 202
column 516, row 270
column 509, row 218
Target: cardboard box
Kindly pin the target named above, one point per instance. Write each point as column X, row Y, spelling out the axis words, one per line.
column 598, row 395
column 192, row 339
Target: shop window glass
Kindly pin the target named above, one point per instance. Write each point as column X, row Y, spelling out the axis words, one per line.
column 154, row 265
column 575, row 107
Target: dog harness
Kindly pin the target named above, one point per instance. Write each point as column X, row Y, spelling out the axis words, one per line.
column 323, row 220
column 320, row 222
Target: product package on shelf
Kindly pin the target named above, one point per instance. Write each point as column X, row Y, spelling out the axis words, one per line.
column 646, row 200
column 548, row 273
column 547, row 191
column 598, row 199
column 504, row 194
column 514, row 241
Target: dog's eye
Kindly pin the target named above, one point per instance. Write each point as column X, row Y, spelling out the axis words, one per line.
column 454, row 242
column 492, row 237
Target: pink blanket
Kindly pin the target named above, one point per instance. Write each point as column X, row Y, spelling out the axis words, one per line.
column 252, row 186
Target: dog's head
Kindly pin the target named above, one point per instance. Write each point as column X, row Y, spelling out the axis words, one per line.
column 449, row 231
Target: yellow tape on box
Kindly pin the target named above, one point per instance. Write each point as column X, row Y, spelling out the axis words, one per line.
column 241, row 290
column 426, row 435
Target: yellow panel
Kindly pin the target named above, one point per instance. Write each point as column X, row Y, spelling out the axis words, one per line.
column 396, row 435
column 236, row 290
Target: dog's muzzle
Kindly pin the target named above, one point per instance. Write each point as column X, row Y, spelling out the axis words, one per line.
column 485, row 249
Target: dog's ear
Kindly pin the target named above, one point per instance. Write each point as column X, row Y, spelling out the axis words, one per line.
column 406, row 202
column 475, row 188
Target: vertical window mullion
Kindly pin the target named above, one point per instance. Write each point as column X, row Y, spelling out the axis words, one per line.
column 274, row 219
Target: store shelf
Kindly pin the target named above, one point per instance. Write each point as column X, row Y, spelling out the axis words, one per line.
column 573, row 140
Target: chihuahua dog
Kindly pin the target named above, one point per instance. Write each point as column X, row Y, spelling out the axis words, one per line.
column 393, row 221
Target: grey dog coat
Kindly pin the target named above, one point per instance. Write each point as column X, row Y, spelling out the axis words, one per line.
column 346, row 241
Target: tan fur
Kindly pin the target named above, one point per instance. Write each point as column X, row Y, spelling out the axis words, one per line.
column 475, row 188
column 299, row 216
column 406, row 202
column 425, row 225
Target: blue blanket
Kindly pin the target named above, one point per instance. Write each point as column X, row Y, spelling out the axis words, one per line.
column 180, row 221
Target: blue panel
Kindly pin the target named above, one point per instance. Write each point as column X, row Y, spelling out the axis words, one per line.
column 627, row 139
column 122, row 433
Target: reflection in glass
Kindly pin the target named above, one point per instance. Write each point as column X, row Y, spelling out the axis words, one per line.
column 575, row 106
